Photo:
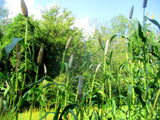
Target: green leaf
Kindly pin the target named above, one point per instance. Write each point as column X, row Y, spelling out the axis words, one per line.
column 24, row 97
column 3, row 76
column 95, row 115
column 138, row 91
column 147, row 92
column 84, row 64
column 121, row 67
column 10, row 47
column 21, row 69
column 90, row 117
column 140, row 33
column 66, row 109
column 154, row 22
column 75, row 116
column 155, row 55
column 6, row 91
column 130, row 92
column 114, row 108
column 48, row 79
column 30, row 85
column 112, row 38
column 57, row 112
column 44, row 116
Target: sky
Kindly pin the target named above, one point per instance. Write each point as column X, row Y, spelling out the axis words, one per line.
column 89, row 12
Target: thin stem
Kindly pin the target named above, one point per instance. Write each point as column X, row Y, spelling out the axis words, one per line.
column 156, row 100
column 144, row 62
column 36, row 78
column 25, row 42
column 131, row 68
column 103, row 84
column 67, row 88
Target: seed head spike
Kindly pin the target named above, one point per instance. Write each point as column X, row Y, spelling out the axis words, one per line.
column 131, row 12
column 70, row 61
column 106, row 48
column 24, row 8
column 144, row 3
column 80, row 87
column 98, row 67
column 45, row 69
column 40, row 56
column 18, row 46
column 18, row 61
column 68, row 42
column 100, row 41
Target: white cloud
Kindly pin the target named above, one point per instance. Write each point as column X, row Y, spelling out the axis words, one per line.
column 14, row 7
column 88, row 30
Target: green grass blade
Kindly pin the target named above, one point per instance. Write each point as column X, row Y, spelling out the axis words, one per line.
column 141, row 33
column 75, row 116
column 130, row 90
column 3, row 76
column 67, row 108
column 45, row 115
column 10, row 47
column 114, row 109
column 154, row 22
column 57, row 113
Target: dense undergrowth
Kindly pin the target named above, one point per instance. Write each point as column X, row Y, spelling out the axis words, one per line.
column 95, row 88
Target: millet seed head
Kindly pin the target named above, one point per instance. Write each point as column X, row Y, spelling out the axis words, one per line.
column 144, row 3
column 40, row 56
column 24, row 8
column 131, row 12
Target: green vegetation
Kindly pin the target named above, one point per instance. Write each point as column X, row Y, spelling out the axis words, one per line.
column 48, row 71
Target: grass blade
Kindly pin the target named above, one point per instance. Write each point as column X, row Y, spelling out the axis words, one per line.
column 66, row 109
column 57, row 112
column 154, row 22
column 45, row 115
column 130, row 90
column 10, row 47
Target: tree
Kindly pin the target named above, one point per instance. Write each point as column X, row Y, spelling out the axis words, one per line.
column 118, row 44
column 3, row 16
column 53, row 31
column 119, row 25
column 3, row 10
column 56, row 28
column 3, row 21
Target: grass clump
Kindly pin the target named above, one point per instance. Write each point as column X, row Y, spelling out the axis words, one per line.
column 90, row 84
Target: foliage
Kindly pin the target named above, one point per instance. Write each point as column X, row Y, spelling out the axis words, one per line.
column 4, row 20
column 119, row 66
column 119, row 25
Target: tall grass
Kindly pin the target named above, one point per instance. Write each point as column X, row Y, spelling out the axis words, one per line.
column 25, row 13
column 102, row 92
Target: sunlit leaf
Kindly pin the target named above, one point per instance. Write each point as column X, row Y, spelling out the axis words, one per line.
column 67, row 108
column 57, row 113
column 112, row 38
column 154, row 22
column 45, row 115
column 130, row 92
column 141, row 33
column 75, row 116
column 114, row 108
column 10, row 47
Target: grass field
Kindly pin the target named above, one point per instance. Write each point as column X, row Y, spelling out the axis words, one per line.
column 120, row 114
